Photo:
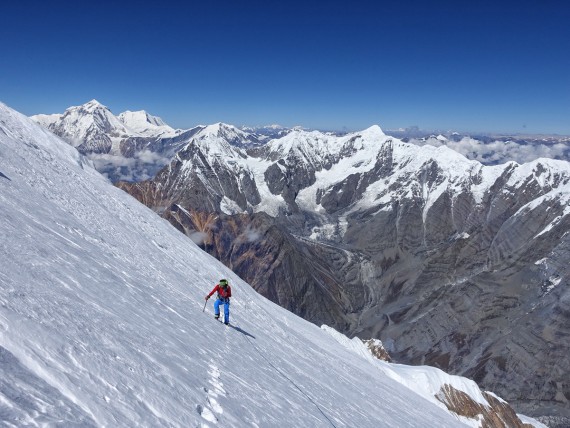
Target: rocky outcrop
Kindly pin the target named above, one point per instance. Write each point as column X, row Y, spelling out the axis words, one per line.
column 377, row 350
column 498, row 414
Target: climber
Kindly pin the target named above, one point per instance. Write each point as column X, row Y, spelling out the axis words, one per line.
column 224, row 293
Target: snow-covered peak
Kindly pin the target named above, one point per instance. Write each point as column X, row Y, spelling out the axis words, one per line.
column 138, row 118
column 95, row 126
column 274, row 126
column 373, row 130
column 146, row 124
column 223, row 134
column 317, row 143
column 90, row 122
column 93, row 105
column 219, row 141
column 543, row 171
column 221, row 129
column 227, row 132
column 320, row 149
column 299, row 140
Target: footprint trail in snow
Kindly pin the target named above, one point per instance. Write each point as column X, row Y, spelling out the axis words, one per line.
column 212, row 409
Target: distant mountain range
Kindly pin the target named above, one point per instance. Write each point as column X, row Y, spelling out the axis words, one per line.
column 449, row 261
column 131, row 146
column 135, row 145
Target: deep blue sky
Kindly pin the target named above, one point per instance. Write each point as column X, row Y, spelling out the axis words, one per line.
column 497, row 65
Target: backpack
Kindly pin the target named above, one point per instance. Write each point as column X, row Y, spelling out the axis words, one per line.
column 225, row 290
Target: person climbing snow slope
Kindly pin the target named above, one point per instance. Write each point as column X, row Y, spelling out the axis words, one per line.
column 224, row 293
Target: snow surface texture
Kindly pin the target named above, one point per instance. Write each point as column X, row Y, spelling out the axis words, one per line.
column 101, row 320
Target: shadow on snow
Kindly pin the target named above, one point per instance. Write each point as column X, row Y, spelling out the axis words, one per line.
column 241, row 331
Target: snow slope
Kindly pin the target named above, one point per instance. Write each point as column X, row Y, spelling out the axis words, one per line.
column 102, row 322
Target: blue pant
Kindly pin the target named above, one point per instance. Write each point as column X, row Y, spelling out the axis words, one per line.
column 226, row 303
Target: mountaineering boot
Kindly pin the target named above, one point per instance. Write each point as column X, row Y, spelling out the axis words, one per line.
column 217, row 316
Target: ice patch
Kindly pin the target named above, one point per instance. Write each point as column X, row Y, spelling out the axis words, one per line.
column 230, row 207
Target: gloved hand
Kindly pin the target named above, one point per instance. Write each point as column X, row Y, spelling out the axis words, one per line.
column 207, row 297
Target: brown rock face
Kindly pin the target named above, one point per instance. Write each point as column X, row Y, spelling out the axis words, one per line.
column 377, row 350
column 498, row 415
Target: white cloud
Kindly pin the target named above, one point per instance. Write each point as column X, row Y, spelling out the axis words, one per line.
column 252, row 235
column 143, row 166
column 497, row 152
column 198, row 237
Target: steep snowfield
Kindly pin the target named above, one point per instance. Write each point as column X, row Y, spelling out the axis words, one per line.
column 101, row 318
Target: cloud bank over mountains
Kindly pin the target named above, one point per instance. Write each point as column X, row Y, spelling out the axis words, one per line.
column 498, row 151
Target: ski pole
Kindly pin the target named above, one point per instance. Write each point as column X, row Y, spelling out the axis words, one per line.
column 205, row 303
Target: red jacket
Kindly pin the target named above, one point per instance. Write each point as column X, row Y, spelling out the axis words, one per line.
column 223, row 292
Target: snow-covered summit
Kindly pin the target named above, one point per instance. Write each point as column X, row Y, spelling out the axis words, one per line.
column 222, row 129
column 308, row 145
column 140, row 117
column 317, row 144
column 230, row 134
column 220, row 140
column 92, row 105
column 80, row 120
column 91, row 126
column 373, row 130
column 146, row 124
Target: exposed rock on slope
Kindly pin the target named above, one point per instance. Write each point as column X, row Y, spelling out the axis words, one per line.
column 497, row 415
